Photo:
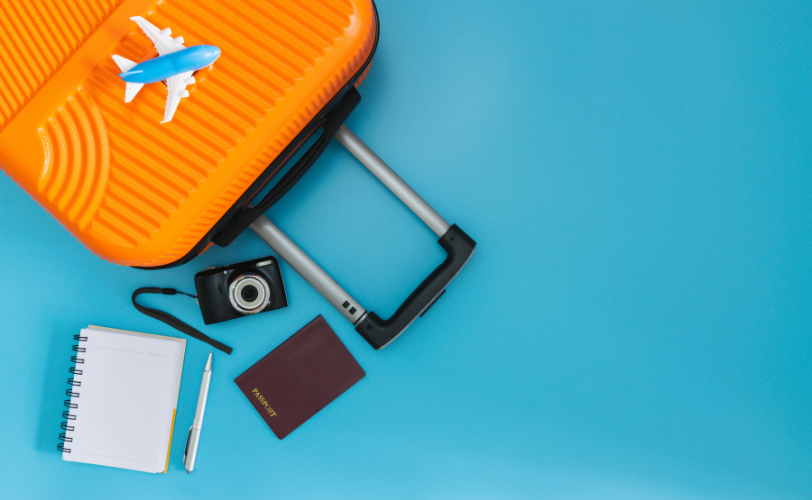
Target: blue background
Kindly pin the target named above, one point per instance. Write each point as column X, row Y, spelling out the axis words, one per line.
column 636, row 321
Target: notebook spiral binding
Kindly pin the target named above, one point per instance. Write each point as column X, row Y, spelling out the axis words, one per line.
column 67, row 415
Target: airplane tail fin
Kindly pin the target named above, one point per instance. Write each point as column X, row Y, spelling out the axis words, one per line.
column 132, row 88
column 123, row 63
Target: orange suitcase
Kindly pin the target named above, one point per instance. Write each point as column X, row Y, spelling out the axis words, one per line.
column 151, row 195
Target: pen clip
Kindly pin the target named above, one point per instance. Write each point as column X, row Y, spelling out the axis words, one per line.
column 186, row 448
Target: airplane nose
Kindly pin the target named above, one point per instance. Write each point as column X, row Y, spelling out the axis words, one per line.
column 214, row 53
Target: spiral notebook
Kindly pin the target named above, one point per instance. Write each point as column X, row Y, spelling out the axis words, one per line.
column 123, row 395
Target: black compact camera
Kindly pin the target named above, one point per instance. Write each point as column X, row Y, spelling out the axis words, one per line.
column 239, row 290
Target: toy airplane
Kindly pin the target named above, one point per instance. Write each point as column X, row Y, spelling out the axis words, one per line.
column 175, row 64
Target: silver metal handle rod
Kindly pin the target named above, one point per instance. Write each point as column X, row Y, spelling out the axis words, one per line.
column 309, row 270
column 391, row 180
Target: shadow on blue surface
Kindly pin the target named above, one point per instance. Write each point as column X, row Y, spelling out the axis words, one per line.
column 55, row 352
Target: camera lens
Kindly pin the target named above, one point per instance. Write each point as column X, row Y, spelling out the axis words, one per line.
column 249, row 294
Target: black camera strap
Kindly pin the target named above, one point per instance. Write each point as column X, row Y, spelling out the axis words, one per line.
column 173, row 321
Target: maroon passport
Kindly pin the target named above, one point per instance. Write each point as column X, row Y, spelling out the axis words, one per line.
column 300, row 377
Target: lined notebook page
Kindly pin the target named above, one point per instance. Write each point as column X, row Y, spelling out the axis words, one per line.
column 125, row 406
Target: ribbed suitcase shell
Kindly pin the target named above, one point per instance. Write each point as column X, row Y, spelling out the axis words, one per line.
column 135, row 191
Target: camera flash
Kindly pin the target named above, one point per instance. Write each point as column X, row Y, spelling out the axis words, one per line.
column 263, row 263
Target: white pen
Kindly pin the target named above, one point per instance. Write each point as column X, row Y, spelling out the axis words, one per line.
column 197, row 424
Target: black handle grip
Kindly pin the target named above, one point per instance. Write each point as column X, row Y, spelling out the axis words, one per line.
column 459, row 247
column 247, row 215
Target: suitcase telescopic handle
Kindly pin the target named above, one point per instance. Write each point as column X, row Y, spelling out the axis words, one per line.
column 377, row 331
column 459, row 248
